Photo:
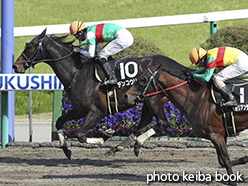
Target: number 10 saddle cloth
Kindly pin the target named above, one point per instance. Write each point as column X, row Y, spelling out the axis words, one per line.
column 127, row 72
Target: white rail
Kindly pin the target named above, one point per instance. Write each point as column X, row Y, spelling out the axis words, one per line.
column 141, row 22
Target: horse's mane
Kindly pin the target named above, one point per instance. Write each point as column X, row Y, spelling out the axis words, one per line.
column 68, row 42
column 65, row 40
column 176, row 69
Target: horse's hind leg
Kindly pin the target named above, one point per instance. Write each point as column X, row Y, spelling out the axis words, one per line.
column 72, row 114
column 92, row 118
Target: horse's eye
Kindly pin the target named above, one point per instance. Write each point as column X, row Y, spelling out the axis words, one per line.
column 28, row 47
column 143, row 81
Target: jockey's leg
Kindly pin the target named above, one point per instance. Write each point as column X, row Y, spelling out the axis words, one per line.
column 108, row 71
column 221, row 86
column 123, row 40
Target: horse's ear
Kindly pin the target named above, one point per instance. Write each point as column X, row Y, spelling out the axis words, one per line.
column 159, row 66
column 156, row 68
column 42, row 35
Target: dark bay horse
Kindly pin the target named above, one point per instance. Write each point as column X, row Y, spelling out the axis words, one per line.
column 195, row 102
column 83, row 89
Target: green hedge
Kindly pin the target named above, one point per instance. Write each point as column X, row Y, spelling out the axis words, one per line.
column 233, row 36
column 140, row 48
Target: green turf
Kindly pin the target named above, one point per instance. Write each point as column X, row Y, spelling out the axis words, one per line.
column 176, row 41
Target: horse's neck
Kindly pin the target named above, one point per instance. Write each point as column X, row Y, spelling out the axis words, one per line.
column 185, row 97
column 64, row 68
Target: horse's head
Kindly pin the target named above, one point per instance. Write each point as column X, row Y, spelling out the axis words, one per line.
column 33, row 52
column 144, row 83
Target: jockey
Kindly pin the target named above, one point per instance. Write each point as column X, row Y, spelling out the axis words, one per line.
column 118, row 39
column 234, row 61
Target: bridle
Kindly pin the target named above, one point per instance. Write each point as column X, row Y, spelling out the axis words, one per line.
column 31, row 60
column 151, row 79
column 143, row 95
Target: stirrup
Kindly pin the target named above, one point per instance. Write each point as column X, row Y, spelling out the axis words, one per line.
column 231, row 103
column 109, row 82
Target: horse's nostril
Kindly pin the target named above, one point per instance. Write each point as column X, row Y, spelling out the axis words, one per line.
column 125, row 96
column 14, row 67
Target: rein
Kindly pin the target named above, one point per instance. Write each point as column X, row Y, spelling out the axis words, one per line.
column 31, row 62
column 53, row 60
column 164, row 90
column 167, row 89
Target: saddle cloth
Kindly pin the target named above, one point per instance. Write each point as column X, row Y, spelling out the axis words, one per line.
column 239, row 88
column 127, row 72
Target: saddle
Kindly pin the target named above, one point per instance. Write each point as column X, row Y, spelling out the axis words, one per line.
column 127, row 72
column 239, row 88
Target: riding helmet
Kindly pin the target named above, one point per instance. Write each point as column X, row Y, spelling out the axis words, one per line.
column 196, row 54
column 76, row 26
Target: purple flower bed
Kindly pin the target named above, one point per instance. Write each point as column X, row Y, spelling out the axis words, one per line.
column 124, row 123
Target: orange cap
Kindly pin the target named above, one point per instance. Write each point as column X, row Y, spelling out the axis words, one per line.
column 196, row 54
column 76, row 26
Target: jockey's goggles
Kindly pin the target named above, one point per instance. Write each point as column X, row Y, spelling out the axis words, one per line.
column 78, row 34
column 198, row 62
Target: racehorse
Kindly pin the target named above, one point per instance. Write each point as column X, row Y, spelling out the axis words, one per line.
column 88, row 99
column 195, row 102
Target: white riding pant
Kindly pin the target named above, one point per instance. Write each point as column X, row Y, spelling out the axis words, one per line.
column 238, row 68
column 123, row 40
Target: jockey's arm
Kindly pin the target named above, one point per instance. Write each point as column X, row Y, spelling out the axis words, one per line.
column 204, row 77
column 200, row 71
column 88, row 51
column 92, row 43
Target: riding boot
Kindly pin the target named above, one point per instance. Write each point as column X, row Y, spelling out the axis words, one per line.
column 231, row 102
column 112, row 80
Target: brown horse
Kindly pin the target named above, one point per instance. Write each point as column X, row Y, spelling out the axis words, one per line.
column 88, row 99
column 195, row 102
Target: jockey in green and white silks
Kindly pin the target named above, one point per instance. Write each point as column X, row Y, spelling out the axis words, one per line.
column 118, row 39
column 233, row 61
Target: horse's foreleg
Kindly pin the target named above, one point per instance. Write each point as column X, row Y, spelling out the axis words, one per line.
column 146, row 118
column 240, row 161
column 162, row 121
column 63, row 144
column 59, row 125
column 223, row 157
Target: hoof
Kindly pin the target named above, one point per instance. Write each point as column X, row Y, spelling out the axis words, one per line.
column 137, row 149
column 137, row 152
column 82, row 139
column 69, row 154
column 110, row 153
